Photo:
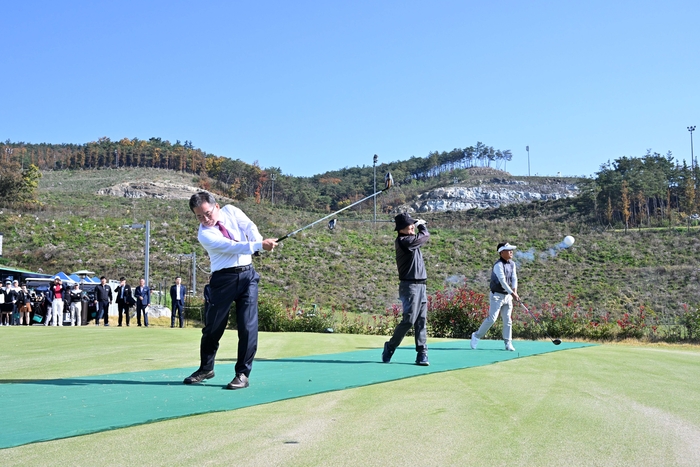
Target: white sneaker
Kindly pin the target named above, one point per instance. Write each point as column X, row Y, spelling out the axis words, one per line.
column 475, row 341
column 510, row 347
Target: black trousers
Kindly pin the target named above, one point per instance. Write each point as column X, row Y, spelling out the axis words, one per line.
column 228, row 287
column 123, row 308
column 178, row 309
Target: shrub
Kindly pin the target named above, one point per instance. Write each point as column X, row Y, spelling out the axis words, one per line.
column 456, row 312
column 690, row 320
column 271, row 315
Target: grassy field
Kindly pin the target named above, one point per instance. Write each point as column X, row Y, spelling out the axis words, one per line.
column 608, row 405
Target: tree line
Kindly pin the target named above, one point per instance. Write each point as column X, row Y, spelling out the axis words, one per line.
column 644, row 191
column 240, row 180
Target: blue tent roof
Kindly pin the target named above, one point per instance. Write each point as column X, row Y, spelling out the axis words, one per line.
column 63, row 276
column 73, row 277
column 95, row 280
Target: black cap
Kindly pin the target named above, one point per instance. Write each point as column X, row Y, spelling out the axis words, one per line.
column 403, row 220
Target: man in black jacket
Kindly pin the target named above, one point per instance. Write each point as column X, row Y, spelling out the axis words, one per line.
column 124, row 299
column 103, row 297
column 412, row 277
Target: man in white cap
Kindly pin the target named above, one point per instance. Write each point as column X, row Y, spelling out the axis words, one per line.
column 56, row 295
column 504, row 289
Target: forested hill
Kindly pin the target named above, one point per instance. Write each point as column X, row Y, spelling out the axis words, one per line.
column 240, row 180
column 647, row 191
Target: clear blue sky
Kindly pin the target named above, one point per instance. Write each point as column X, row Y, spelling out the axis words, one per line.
column 311, row 86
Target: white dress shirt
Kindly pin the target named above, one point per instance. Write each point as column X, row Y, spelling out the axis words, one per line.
column 225, row 253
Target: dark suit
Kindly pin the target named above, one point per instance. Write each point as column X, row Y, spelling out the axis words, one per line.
column 124, row 301
column 143, row 299
column 178, row 305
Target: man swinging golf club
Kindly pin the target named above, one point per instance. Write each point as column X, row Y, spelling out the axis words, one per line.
column 230, row 238
column 413, row 277
column 504, row 289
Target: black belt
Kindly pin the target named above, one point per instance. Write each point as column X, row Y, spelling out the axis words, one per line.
column 236, row 269
column 415, row 281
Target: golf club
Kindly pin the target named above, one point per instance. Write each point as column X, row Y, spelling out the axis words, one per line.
column 388, row 183
column 554, row 341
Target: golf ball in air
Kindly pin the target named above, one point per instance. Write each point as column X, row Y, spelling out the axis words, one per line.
column 568, row 240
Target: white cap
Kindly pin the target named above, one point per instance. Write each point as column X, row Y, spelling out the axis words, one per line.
column 507, row 247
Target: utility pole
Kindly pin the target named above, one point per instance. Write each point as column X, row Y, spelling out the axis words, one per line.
column 375, row 189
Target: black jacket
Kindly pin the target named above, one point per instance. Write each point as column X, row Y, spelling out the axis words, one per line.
column 103, row 293
column 409, row 259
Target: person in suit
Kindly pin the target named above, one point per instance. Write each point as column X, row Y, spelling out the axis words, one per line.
column 143, row 299
column 124, row 300
column 55, row 297
column 177, row 296
column 103, row 297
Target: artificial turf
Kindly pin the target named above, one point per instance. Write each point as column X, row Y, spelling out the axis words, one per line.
column 66, row 407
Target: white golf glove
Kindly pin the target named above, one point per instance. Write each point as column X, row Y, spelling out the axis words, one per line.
column 420, row 222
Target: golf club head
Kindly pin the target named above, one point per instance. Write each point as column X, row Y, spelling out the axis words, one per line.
column 331, row 224
column 388, row 181
column 556, row 341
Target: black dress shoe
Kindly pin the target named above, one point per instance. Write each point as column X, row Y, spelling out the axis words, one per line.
column 199, row 376
column 239, row 382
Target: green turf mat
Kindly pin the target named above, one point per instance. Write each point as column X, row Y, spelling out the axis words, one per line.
column 41, row 410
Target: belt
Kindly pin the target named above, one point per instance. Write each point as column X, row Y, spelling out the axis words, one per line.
column 236, row 269
column 415, row 281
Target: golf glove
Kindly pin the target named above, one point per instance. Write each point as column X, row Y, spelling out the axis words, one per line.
column 420, row 222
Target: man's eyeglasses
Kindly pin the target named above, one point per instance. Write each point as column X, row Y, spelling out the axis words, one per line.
column 206, row 215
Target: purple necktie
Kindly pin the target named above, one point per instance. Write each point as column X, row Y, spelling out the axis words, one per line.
column 223, row 230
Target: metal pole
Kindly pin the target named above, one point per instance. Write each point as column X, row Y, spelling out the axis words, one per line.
column 527, row 148
column 147, row 249
column 273, row 177
column 375, row 189
column 194, row 273
column 691, row 129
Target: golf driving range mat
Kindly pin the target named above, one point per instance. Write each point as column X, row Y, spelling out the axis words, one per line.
column 42, row 410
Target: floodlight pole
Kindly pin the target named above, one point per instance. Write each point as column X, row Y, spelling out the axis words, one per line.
column 273, row 176
column 147, row 250
column 691, row 129
column 375, row 189
column 527, row 148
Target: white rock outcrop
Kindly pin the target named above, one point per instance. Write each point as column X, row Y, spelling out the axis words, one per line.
column 493, row 194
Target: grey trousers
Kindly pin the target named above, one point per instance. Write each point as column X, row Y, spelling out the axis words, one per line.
column 415, row 314
column 500, row 304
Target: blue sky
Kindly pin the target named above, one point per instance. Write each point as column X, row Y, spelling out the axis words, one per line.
column 311, row 86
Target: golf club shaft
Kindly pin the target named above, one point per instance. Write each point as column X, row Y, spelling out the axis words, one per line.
column 291, row 234
column 554, row 341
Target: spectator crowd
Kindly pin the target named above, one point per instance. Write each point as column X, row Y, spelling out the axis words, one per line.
column 58, row 304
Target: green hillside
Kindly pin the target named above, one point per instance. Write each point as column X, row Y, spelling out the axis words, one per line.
column 352, row 267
